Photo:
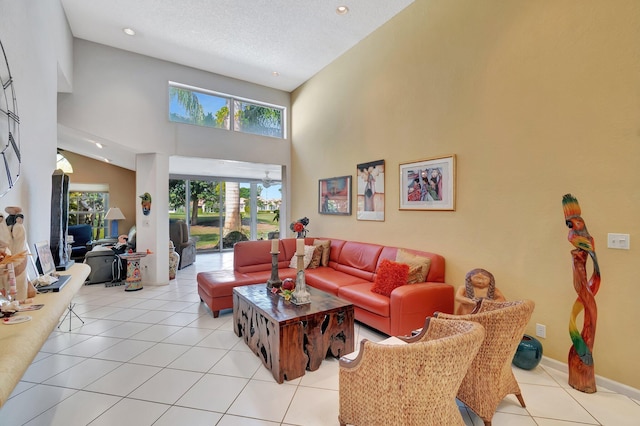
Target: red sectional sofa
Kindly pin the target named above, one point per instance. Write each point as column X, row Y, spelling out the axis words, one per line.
column 349, row 275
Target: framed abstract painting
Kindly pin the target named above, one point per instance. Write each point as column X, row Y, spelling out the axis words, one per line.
column 334, row 195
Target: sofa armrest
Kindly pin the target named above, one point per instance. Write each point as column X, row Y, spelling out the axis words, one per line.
column 410, row 304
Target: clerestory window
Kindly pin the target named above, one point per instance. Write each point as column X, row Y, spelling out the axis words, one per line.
column 210, row 109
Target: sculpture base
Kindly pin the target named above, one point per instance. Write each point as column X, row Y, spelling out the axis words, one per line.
column 65, row 266
column 301, row 300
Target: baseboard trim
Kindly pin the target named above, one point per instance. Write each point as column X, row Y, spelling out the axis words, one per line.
column 600, row 381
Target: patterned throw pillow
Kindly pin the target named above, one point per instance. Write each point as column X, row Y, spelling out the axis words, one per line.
column 389, row 276
column 316, row 258
column 418, row 266
column 326, row 250
column 308, row 254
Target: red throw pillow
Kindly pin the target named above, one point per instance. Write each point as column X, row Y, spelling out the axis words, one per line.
column 389, row 276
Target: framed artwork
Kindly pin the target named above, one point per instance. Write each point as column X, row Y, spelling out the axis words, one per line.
column 371, row 191
column 334, row 195
column 428, row 184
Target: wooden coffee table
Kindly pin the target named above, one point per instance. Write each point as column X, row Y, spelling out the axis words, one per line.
column 289, row 338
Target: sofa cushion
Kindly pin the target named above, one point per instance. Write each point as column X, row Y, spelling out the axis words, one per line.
column 362, row 296
column 221, row 283
column 316, row 258
column 308, row 255
column 389, row 276
column 329, row 280
column 418, row 266
column 325, row 250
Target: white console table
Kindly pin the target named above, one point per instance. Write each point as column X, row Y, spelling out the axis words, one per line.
column 20, row 343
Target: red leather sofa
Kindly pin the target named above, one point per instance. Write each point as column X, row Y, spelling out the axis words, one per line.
column 349, row 275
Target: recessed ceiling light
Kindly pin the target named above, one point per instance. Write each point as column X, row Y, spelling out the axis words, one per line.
column 342, row 10
column 275, row 74
column 129, row 31
column 106, row 160
column 99, row 145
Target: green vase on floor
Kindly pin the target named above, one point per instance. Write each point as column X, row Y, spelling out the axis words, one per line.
column 528, row 354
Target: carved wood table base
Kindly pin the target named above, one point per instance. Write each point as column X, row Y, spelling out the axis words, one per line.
column 289, row 338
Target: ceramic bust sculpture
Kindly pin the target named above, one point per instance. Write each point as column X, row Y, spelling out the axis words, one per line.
column 479, row 284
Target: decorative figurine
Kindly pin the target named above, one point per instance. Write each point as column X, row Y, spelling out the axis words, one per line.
column 581, row 368
column 479, row 284
column 146, row 203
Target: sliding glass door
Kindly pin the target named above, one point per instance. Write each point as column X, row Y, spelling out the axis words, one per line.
column 222, row 213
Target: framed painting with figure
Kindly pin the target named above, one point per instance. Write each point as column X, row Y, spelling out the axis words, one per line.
column 428, row 184
column 334, row 195
column 371, row 191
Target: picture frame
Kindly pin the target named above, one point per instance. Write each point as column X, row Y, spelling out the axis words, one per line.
column 428, row 184
column 371, row 191
column 334, row 196
column 45, row 258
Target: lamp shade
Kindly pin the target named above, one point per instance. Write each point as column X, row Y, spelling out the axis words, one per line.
column 114, row 213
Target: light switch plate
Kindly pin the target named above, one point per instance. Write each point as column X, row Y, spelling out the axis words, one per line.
column 618, row 241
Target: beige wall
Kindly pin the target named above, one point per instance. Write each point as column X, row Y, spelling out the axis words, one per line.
column 122, row 184
column 536, row 99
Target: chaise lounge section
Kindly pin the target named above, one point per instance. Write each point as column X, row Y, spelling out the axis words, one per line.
column 350, row 273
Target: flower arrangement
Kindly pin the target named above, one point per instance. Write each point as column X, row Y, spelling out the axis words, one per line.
column 300, row 226
column 288, row 285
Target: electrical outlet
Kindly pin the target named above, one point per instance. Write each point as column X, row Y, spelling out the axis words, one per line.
column 541, row 330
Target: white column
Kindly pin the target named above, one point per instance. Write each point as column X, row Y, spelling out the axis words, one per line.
column 152, row 176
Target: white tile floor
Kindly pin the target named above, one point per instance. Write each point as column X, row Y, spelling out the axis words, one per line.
column 158, row 357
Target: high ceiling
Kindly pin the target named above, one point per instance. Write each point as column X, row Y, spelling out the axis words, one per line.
column 275, row 43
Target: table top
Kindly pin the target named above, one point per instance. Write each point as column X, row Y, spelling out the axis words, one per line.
column 20, row 343
column 283, row 311
column 132, row 256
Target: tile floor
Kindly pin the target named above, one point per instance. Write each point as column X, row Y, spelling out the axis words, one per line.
column 158, row 357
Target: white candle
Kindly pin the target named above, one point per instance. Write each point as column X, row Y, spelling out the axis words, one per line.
column 300, row 246
column 274, row 246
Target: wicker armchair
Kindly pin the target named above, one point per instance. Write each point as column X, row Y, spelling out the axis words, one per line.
column 409, row 384
column 490, row 377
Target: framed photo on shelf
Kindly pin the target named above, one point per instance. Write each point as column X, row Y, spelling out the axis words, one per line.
column 45, row 258
column 334, row 195
column 371, row 191
column 428, row 184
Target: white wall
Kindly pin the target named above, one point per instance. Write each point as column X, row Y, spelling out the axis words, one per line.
column 31, row 32
column 123, row 97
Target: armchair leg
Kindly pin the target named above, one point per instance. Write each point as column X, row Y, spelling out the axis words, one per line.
column 520, row 399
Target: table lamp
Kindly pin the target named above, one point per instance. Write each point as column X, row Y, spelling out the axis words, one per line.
column 114, row 215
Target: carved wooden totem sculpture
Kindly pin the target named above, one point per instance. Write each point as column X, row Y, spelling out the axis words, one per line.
column 581, row 368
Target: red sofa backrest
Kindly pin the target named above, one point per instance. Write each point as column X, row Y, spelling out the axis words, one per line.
column 352, row 257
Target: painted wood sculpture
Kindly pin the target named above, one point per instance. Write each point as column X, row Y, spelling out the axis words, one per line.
column 581, row 368
column 146, row 203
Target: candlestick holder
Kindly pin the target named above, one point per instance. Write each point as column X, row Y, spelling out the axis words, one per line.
column 275, row 280
column 301, row 295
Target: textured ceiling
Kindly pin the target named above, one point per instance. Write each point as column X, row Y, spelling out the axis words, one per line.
column 244, row 39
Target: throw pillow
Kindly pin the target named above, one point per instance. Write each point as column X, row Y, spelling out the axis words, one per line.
column 326, row 250
column 418, row 266
column 308, row 254
column 316, row 258
column 389, row 276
